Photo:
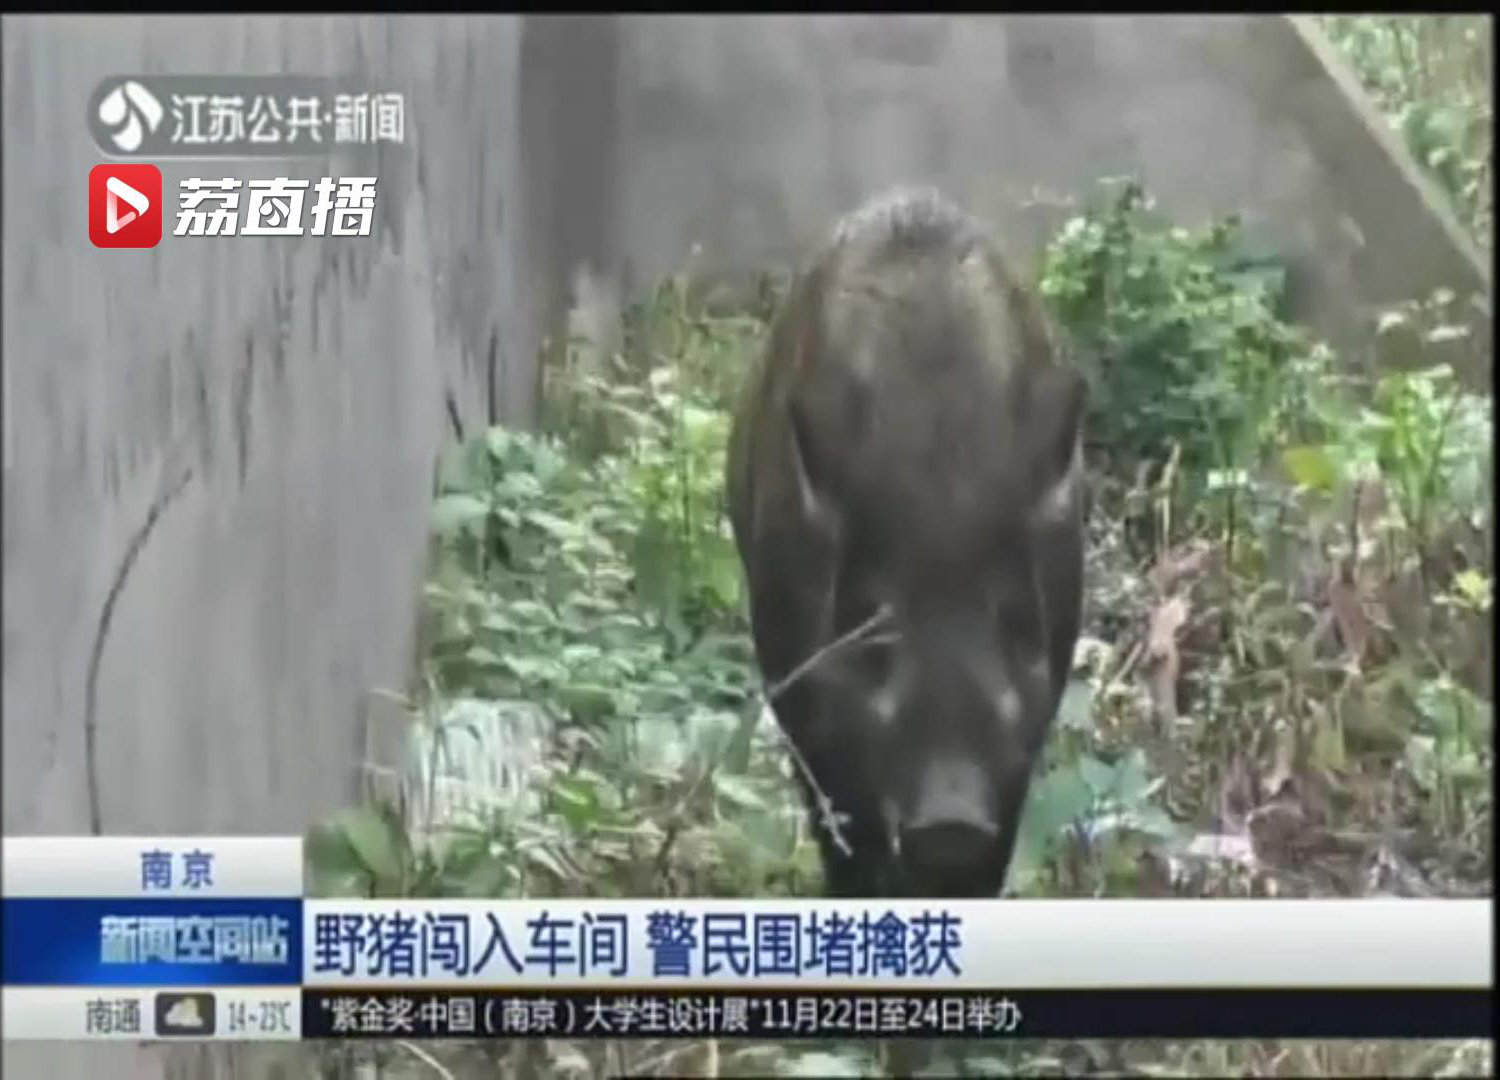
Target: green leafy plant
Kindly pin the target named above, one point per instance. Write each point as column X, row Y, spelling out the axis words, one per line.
column 1448, row 754
column 1431, row 76
column 661, row 406
column 1194, row 369
column 1179, row 330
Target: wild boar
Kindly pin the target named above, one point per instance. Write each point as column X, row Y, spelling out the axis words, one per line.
column 905, row 490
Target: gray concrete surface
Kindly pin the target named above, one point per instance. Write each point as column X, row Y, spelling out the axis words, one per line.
column 277, row 401
column 271, row 407
column 746, row 135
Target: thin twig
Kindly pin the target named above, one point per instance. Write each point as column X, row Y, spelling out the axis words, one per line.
column 826, row 811
column 1429, row 482
column 801, row 670
column 677, row 819
column 1164, row 487
column 1137, row 650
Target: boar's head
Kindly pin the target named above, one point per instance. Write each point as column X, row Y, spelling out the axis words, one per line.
column 905, row 487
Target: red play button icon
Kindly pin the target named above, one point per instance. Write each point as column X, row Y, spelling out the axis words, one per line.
column 125, row 206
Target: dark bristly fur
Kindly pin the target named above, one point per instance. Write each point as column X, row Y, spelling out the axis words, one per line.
column 910, row 442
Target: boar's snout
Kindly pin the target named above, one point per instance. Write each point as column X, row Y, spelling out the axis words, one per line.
column 952, row 833
column 948, row 846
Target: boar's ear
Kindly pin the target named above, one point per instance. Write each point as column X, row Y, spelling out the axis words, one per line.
column 810, row 472
column 1056, row 406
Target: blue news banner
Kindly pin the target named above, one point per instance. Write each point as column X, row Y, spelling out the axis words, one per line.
column 627, row 969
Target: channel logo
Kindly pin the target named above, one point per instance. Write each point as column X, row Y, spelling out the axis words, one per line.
column 125, row 206
column 129, row 113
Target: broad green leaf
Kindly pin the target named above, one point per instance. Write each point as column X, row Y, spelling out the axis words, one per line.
column 554, row 526
column 1075, row 711
column 586, row 701
column 1421, row 761
column 1311, row 466
column 327, row 848
column 1475, row 587
column 580, row 654
column 530, row 611
column 498, row 621
column 375, row 842
column 490, row 877
column 1057, row 800
column 499, row 441
column 1132, row 785
column 462, row 468
column 1153, row 821
column 1327, row 750
column 455, row 513
column 1098, row 775
column 483, row 657
column 654, row 560
column 738, row 791
column 710, row 731
column 340, row 886
column 540, row 856
column 660, row 744
column 736, row 758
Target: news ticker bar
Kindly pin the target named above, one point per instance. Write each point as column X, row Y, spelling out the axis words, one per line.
column 680, row 944
column 240, row 1015
column 133, row 1014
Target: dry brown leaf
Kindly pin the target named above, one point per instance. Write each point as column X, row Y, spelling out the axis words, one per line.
column 1225, row 847
column 1349, row 613
column 1305, row 656
column 1161, row 646
column 1374, row 590
column 1278, row 833
column 1374, row 719
column 1372, row 504
column 1283, row 770
column 1186, row 561
column 1154, row 875
column 1408, row 607
column 1388, row 873
column 1166, row 620
column 1238, row 794
column 1163, row 686
column 1326, row 749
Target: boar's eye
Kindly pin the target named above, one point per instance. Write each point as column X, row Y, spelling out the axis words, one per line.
column 877, row 659
column 859, row 599
column 1019, row 630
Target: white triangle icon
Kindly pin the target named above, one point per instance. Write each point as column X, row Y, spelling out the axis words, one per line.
column 115, row 190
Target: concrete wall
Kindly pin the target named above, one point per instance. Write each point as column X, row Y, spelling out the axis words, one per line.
column 232, row 438
column 747, row 135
